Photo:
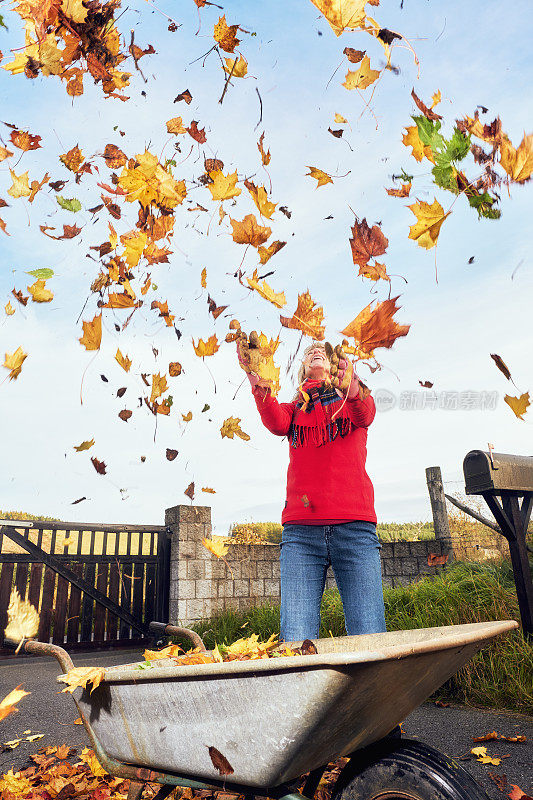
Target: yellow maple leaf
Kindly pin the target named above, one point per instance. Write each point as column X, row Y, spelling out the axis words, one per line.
column 92, row 333
column 149, row 182
column 342, row 14
column 35, row 186
column 231, row 427
column 266, row 291
column 203, row 278
column 134, row 243
column 84, row 445
column 74, row 9
column 207, row 348
column 175, row 125
column 187, row 417
column 266, row 253
column 223, row 186
column 412, row 139
column 22, row 619
column 159, row 386
column 518, row 405
column 259, row 360
column 239, row 66
column 124, row 361
column 260, row 198
column 39, row 293
column 483, row 758
column 225, row 35
column 248, row 231
column 15, row 784
column 14, row 362
column 340, row 120
column 265, row 154
column 89, row 758
column 20, row 186
column 307, row 317
column 81, row 676
column 18, row 64
column 362, row 77
column 208, row 490
column 4, row 153
column 374, row 271
column 517, row 162
column 429, row 219
column 8, row 308
column 321, row 176
column 435, row 98
column 219, row 547
column 8, row 704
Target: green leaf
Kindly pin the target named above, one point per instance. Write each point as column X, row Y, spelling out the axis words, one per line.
column 69, row 205
column 206, row 408
column 483, row 204
column 428, row 131
column 458, row 146
column 443, row 173
column 2, row 23
column 41, row 274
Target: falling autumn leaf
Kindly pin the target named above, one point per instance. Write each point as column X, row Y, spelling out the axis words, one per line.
column 237, row 67
column 266, row 253
column 265, row 155
column 340, row 120
column 186, row 96
column 207, row 348
column 203, row 278
column 362, row 77
column 403, row 192
column 208, row 490
column 260, row 198
column 502, row 366
column 231, row 427
column 321, row 176
column 125, row 414
column 100, row 466
column 428, row 112
column 429, row 218
column 248, row 231
column 22, row 619
column 171, row 454
column 342, row 14
column 412, row 139
column 79, row 677
column 367, row 242
column 39, row 294
column 189, row 491
column 14, row 362
column 92, row 333
column 159, row 386
column 375, row 328
column 175, row 125
column 218, row 547
column 124, row 361
column 196, row 133
column 307, row 318
column 24, row 140
column 114, row 157
column 20, row 185
column 19, row 296
column 517, row 162
column 187, row 417
column 223, row 187
column 73, row 159
column 9, row 703
column 8, row 308
column 84, row 445
column 518, row 405
column 225, row 35
column 277, row 298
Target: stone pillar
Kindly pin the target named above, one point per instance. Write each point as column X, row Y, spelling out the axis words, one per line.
column 193, row 570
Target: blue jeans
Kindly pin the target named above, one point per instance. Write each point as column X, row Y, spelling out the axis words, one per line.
column 352, row 549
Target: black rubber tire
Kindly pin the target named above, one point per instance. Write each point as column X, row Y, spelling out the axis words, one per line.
column 405, row 769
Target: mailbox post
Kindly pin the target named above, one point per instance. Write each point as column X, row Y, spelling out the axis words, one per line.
column 502, row 480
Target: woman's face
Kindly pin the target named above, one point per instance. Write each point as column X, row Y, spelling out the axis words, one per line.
column 316, row 363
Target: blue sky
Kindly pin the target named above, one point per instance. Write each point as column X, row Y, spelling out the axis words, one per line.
column 474, row 310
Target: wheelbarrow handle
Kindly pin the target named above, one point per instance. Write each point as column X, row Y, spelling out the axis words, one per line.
column 44, row 649
column 164, row 629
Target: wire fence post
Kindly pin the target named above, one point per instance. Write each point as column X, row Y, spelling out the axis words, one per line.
column 438, row 506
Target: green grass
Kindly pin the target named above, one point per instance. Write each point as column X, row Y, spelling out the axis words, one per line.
column 500, row 676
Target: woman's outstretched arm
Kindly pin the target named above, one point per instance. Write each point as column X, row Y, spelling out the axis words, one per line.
column 276, row 417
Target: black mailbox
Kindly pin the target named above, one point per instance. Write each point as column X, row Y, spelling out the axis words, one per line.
column 497, row 474
column 506, row 483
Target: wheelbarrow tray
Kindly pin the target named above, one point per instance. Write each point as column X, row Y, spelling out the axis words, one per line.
column 275, row 719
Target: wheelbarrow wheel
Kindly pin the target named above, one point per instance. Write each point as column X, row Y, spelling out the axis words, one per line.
column 405, row 770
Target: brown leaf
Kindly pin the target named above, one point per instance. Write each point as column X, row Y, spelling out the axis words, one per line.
column 24, row 140
column 99, row 466
column 307, row 318
column 435, row 560
column 171, row 454
column 215, row 310
column 367, row 242
column 114, row 157
column 186, row 96
column 403, row 192
column 428, row 112
column 441, row 704
column 189, row 491
column 308, row 648
column 517, row 794
column 502, row 366
column 248, row 231
column 220, row 762
column 198, row 135
column 425, row 384
column 213, row 165
column 499, row 780
column 337, row 134
column 121, row 392
column 377, row 328
column 174, row 369
column 69, row 232
column 125, row 414
column 19, row 296
column 355, row 56
column 226, row 37
column 486, row 738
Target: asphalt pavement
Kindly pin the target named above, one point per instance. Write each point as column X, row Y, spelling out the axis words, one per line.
column 46, row 711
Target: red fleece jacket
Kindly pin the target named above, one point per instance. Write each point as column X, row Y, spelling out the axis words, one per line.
column 331, row 478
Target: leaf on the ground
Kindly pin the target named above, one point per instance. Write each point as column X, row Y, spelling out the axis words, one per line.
column 219, row 547
column 486, row 738
column 14, row 361
column 220, row 762
column 307, row 318
column 499, row 780
column 230, row 427
column 518, row 405
column 81, row 676
column 22, row 619
column 483, row 758
column 516, row 793
column 9, row 704
column 84, row 445
column 319, row 175
column 435, row 560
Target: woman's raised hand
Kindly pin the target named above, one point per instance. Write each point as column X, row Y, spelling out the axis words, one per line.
column 244, row 343
column 343, row 375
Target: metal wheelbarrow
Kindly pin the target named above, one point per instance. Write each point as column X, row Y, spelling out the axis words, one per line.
column 275, row 720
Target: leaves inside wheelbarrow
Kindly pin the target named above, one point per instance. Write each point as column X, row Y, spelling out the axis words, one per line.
column 81, row 676
column 245, row 649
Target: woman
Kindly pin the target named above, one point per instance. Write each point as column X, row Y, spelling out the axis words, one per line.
column 329, row 515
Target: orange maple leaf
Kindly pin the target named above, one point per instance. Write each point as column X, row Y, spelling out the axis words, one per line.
column 207, row 348
column 376, row 328
column 307, row 318
column 248, row 231
column 367, row 242
column 92, row 334
column 225, row 35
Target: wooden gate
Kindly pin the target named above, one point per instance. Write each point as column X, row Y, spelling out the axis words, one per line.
column 94, row 586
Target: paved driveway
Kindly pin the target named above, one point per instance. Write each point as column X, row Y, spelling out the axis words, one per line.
column 448, row 729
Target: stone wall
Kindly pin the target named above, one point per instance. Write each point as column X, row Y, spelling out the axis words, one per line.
column 202, row 585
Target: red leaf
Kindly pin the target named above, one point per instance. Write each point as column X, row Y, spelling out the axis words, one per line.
column 434, row 560
column 99, row 466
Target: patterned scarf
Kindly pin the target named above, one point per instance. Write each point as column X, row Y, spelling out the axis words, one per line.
column 320, row 415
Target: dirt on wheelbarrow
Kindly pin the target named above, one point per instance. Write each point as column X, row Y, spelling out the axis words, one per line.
column 450, row 729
